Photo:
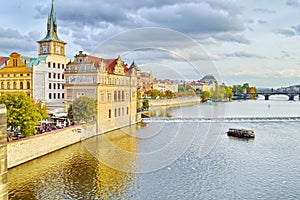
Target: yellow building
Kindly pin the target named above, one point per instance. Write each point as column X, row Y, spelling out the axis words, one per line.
column 16, row 76
column 111, row 82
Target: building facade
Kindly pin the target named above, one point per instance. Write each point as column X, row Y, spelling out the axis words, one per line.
column 16, row 76
column 48, row 74
column 110, row 82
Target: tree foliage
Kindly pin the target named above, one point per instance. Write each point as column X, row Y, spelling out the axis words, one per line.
column 205, row 95
column 169, row 94
column 22, row 113
column 83, row 109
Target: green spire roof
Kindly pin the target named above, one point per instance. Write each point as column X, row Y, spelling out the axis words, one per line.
column 52, row 27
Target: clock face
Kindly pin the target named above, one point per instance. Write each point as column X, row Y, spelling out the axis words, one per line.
column 57, row 49
column 45, row 49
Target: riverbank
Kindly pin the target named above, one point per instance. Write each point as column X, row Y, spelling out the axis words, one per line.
column 180, row 101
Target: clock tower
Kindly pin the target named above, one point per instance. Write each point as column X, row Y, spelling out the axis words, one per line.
column 51, row 44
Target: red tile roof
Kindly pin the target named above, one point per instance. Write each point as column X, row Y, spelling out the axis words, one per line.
column 110, row 63
column 3, row 60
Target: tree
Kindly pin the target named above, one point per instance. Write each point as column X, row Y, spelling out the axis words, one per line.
column 169, row 94
column 146, row 104
column 22, row 113
column 83, row 108
column 205, row 95
column 154, row 93
column 70, row 112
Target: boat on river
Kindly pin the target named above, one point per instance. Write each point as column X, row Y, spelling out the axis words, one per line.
column 241, row 133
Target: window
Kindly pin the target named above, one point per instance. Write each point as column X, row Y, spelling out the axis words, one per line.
column 50, row 96
column 49, row 64
column 115, row 112
column 102, row 96
column 127, row 111
column 58, row 65
column 28, row 85
column 80, row 94
column 62, row 66
column 109, row 96
column 62, row 76
column 21, row 85
column 50, row 86
column 54, row 95
column 119, row 95
column 58, row 86
column 53, row 65
column 49, row 75
column 123, row 96
column 62, row 87
column 54, row 75
column 58, row 95
column 109, row 113
column 15, row 85
column 58, row 76
column 15, row 62
column 2, row 85
column 123, row 112
column 63, row 95
column 119, row 112
column 21, row 74
column 54, row 86
column 8, row 85
column 115, row 96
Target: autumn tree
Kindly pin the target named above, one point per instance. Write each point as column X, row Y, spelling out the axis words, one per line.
column 22, row 113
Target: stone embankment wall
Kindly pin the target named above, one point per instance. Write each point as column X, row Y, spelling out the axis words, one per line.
column 3, row 154
column 181, row 101
column 24, row 150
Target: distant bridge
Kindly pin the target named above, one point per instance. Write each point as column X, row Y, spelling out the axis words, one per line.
column 291, row 95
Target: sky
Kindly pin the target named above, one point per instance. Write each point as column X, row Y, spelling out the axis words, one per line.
column 238, row 41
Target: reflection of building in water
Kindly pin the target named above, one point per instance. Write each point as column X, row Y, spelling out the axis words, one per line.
column 116, row 153
column 111, row 82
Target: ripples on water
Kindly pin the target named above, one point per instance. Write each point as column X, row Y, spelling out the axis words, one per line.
column 264, row 168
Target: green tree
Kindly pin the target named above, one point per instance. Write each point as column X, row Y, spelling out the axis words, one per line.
column 169, row 94
column 181, row 88
column 146, row 103
column 154, row 93
column 205, row 95
column 22, row 113
column 70, row 112
column 84, row 108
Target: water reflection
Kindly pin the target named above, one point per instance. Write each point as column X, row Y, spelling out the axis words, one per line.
column 75, row 173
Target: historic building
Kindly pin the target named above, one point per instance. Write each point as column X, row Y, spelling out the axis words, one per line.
column 48, row 75
column 164, row 85
column 111, row 82
column 16, row 76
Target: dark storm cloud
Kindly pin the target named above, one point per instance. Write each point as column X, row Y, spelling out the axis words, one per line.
column 242, row 54
column 13, row 40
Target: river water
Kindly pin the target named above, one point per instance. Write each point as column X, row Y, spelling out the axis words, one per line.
column 186, row 158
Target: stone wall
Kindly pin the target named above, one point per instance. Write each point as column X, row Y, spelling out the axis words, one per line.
column 180, row 101
column 3, row 154
column 24, row 150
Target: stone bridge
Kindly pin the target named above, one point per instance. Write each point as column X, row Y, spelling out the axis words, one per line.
column 291, row 95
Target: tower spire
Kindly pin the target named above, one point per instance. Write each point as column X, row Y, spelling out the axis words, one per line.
column 52, row 26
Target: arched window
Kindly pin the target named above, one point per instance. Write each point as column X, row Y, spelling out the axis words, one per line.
column 21, row 86
column 28, row 85
column 15, row 85
column 2, row 85
column 8, row 85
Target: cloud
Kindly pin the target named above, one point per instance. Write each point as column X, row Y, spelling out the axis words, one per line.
column 293, row 3
column 12, row 40
column 264, row 10
column 242, row 54
column 260, row 21
column 286, row 32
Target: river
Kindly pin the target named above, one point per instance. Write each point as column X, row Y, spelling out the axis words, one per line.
column 179, row 159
